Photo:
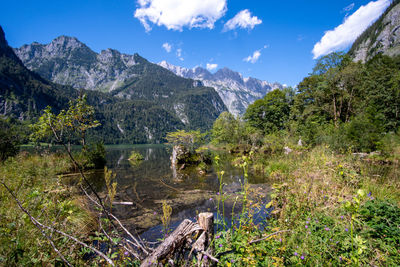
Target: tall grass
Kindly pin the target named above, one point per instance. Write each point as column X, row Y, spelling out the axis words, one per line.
column 319, row 200
column 36, row 182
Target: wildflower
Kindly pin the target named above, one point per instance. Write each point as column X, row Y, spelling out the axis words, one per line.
column 302, row 257
column 205, row 257
column 220, row 245
column 126, row 253
column 232, row 261
column 296, row 254
column 218, row 236
column 280, row 240
column 309, row 232
column 306, row 226
column 369, row 194
column 307, row 222
column 341, row 217
column 340, row 258
column 218, row 193
column 346, row 230
column 210, row 198
column 155, row 213
column 327, row 229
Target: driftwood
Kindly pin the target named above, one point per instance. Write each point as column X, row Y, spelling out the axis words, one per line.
column 172, row 243
column 182, row 236
column 202, row 245
column 129, row 203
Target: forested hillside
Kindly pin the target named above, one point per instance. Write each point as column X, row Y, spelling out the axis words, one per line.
column 143, row 110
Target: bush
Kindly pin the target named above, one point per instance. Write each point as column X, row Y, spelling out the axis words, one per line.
column 135, row 156
column 92, row 156
column 383, row 217
column 9, row 140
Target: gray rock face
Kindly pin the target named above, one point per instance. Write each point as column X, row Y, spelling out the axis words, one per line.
column 67, row 61
column 383, row 37
column 235, row 91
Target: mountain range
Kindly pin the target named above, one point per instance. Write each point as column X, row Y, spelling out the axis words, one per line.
column 141, row 108
column 68, row 61
column 236, row 91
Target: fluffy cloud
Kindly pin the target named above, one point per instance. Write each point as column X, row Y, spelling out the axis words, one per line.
column 212, row 66
column 256, row 55
column 176, row 14
column 167, row 47
column 243, row 20
column 346, row 33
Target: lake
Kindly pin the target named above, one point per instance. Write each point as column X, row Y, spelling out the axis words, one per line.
column 153, row 181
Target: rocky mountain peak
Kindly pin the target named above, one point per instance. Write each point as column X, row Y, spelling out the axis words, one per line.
column 235, row 91
column 226, row 73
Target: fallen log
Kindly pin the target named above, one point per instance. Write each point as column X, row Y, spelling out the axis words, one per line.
column 172, row 243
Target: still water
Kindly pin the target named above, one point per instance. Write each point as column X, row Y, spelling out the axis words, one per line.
column 153, row 181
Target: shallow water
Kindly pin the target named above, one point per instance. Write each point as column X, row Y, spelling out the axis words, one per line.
column 153, row 180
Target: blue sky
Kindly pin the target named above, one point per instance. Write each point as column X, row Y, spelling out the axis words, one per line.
column 268, row 40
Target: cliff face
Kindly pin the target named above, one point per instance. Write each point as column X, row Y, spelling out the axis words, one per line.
column 381, row 37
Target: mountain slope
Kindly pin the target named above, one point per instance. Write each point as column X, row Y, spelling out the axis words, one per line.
column 129, row 77
column 23, row 93
column 381, row 37
column 236, row 92
column 123, row 119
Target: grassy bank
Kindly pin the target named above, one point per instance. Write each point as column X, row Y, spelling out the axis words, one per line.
column 328, row 209
column 35, row 181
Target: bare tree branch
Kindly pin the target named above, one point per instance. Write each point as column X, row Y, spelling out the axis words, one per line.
column 42, row 226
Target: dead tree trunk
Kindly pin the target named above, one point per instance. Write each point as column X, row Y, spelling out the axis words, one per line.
column 206, row 222
column 177, row 240
column 172, row 243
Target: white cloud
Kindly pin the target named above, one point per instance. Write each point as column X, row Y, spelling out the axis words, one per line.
column 179, row 54
column 346, row 33
column 176, row 14
column 256, row 55
column 243, row 20
column 211, row 67
column 167, row 47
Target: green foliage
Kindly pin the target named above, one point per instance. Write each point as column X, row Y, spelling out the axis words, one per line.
column 190, row 140
column 135, row 156
column 75, row 121
column 269, row 114
column 346, row 104
column 226, row 129
column 316, row 219
column 383, row 218
column 142, row 110
column 37, row 183
column 9, row 140
column 92, row 156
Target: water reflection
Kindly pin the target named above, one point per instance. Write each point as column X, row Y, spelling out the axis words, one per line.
column 153, row 180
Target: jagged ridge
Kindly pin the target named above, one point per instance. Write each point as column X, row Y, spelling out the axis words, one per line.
column 236, row 92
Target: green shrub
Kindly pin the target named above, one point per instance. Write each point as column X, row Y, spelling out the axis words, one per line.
column 135, row 156
column 93, row 156
column 383, row 217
